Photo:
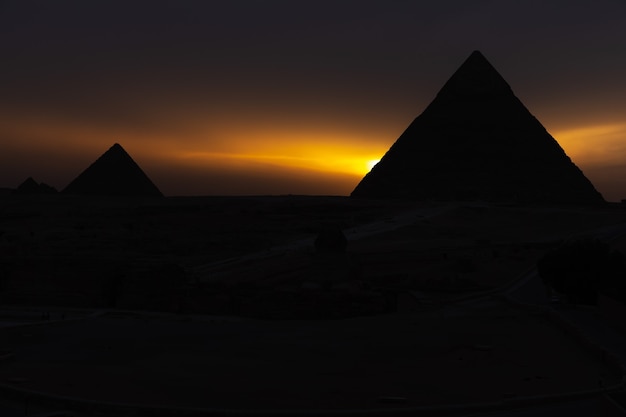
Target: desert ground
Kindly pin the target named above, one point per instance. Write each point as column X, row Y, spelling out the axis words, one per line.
column 481, row 353
column 243, row 255
column 225, row 303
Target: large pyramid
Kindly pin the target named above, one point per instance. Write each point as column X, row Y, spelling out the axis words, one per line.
column 477, row 141
column 114, row 173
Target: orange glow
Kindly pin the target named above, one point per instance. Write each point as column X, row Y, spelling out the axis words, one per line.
column 595, row 144
column 599, row 150
column 322, row 162
column 204, row 156
column 316, row 159
column 372, row 163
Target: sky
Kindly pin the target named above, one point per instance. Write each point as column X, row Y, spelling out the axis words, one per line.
column 270, row 97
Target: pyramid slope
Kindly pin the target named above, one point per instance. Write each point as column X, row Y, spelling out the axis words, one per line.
column 114, row 173
column 476, row 140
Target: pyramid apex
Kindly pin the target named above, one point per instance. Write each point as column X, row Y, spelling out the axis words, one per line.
column 476, row 55
column 29, row 183
column 117, row 152
column 476, row 76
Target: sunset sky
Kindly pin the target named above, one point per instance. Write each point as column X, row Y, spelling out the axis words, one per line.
column 290, row 97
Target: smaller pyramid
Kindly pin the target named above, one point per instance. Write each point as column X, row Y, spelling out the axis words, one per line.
column 30, row 186
column 115, row 173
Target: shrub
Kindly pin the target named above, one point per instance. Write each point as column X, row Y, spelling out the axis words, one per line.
column 331, row 240
column 581, row 268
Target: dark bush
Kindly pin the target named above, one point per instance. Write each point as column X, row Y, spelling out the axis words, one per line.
column 581, row 268
column 465, row 266
column 331, row 240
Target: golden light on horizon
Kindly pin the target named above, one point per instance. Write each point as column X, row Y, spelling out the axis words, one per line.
column 595, row 144
column 324, row 151
column 315, row 160
column 320, row 159
column 372, row 163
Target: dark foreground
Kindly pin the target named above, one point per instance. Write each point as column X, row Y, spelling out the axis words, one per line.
column 225, row 304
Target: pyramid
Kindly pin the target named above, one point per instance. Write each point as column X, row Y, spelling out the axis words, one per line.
column 477, row 141
column 114, row 173
column 30, row 186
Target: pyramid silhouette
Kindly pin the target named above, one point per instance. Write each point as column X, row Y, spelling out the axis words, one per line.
column 477, row 141
column 114, row 173
column 30, row 186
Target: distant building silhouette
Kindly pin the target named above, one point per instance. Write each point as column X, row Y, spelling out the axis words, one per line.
column 114, row 173
column 477, row 141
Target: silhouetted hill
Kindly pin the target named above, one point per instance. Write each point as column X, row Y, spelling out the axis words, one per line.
column 114, row 173
column 477, row 141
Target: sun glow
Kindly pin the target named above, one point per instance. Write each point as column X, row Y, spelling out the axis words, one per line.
column 314, row 161
column 326, row 153
column 279, row 160
column 371, row 163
